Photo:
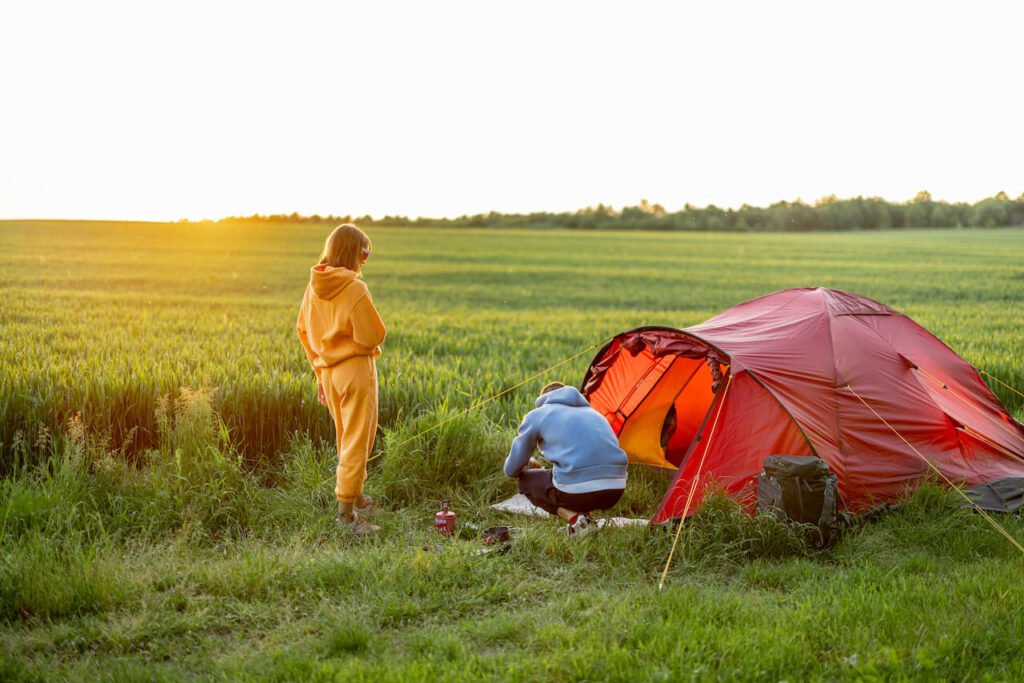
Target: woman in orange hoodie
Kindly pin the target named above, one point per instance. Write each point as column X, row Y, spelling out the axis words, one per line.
column 341, row 332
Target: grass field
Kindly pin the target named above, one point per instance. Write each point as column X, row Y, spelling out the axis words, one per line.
column 166, row 492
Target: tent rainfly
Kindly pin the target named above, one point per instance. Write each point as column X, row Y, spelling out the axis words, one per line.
column 806, row 372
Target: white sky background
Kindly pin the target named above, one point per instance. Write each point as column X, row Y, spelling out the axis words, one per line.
column 166, row 110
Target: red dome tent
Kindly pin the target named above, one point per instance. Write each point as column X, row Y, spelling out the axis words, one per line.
column 802, row 372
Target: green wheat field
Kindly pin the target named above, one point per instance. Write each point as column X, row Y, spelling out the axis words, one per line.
column 166, row 494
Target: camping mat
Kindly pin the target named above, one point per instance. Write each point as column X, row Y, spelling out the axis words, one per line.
column 520, row 505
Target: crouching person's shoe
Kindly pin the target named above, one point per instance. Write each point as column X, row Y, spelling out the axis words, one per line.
column 357, row 524
column 581, row 526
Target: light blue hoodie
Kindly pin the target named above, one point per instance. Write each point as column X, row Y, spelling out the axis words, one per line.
column 573, row 437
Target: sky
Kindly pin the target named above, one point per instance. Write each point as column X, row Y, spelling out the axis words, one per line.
column 152, row 110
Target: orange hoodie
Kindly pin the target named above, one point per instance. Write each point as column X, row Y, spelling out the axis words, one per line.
column 337, row 319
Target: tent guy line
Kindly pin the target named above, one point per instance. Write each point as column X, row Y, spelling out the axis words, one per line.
column 700, row 467
column 938, row 382
column 990, row 442
column 1001, row 382
column 693, row 487
column 930, row 464
column 488, row 400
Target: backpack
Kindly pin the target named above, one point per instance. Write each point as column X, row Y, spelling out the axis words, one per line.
column 801, row 489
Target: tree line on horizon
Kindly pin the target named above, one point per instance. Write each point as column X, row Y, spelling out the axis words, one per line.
column 826, row 214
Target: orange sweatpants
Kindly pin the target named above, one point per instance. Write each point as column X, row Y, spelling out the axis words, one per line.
column 351, row 391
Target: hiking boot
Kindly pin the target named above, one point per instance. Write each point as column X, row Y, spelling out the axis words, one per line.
column 357, row 525
column 580, row 526
column 367, row 510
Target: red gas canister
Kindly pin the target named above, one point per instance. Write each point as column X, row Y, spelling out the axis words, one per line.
column 444, row 521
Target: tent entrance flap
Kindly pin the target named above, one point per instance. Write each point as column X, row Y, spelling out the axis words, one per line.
column 666, row 410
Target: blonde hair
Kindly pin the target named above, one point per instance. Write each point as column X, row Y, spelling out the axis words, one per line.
column 344, row 248
column 551, row 386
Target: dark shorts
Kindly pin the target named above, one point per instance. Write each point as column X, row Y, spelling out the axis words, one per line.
column 538, row 487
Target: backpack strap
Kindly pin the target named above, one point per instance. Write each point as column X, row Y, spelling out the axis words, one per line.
column 828, row 505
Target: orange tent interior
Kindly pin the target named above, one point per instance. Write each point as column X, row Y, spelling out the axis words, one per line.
column 656, row 405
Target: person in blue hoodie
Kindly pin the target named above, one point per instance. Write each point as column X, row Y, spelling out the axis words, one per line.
column 588, row 469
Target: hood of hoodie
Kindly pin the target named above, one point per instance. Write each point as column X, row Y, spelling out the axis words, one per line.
column 328, row 281
column 569, row 396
